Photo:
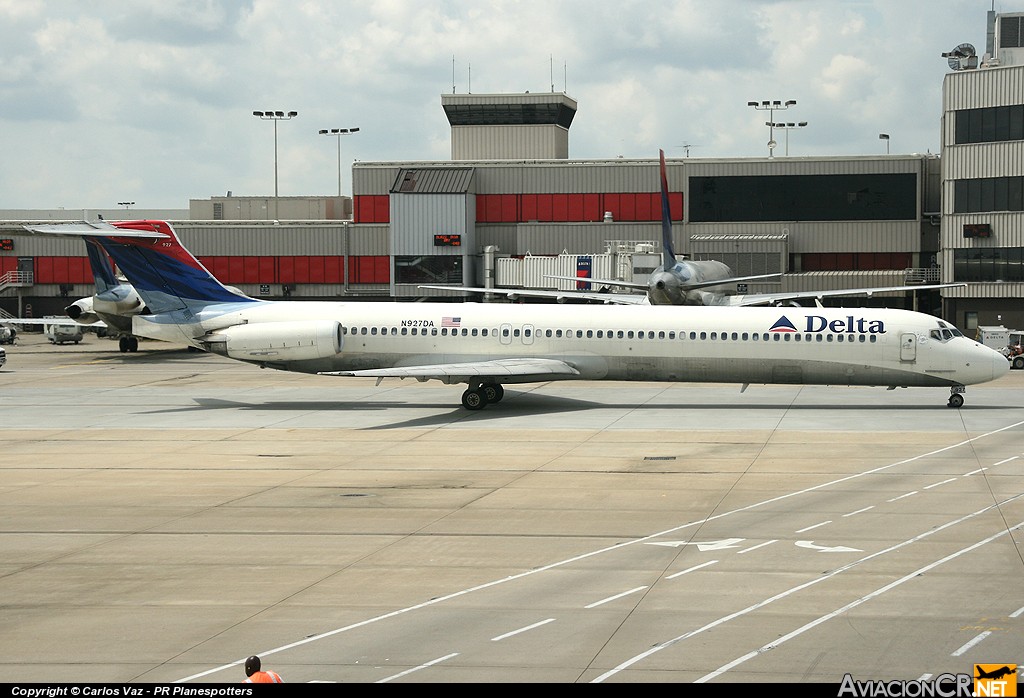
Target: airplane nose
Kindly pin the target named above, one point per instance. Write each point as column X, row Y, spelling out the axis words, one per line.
column 1000, row 366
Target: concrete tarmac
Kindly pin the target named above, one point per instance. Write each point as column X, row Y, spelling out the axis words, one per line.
column 164, row 514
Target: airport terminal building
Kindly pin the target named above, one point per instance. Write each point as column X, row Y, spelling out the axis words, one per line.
column 511, row 207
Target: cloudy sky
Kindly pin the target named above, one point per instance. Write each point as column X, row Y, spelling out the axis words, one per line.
column 151, row 101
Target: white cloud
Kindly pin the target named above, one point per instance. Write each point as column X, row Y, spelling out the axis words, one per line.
column 152, row 100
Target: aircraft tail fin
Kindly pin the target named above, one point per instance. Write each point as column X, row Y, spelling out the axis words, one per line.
column 668, row 251
column 166, row 275
column 102, row 270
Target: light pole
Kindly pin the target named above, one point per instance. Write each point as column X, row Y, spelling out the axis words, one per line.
column 884, row 137
column 771, row 106
column 275, row 116
column 787, row 127
column 339, row 132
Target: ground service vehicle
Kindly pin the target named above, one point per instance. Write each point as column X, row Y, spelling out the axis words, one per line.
column 59, row 333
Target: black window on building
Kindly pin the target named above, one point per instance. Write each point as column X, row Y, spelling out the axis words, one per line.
column 988, row 264
column 421, row 269
column 1010, row 33
column 849, row 197
column 985, row 194
column 989, row 124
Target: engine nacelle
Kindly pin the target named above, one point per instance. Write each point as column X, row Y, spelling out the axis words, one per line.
column 120, row 300
column 81, row 311
column 278, row 341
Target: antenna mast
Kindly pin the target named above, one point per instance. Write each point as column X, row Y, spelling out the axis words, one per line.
column 453, row 73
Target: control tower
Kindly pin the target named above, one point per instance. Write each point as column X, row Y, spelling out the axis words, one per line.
column 528, row 126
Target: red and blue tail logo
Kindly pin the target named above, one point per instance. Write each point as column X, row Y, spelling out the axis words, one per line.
column 164, row 273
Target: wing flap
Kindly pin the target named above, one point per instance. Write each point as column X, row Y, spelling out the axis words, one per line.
column 497, row 368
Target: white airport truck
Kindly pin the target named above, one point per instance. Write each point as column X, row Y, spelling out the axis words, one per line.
column 61, row 332
column 1004, row 340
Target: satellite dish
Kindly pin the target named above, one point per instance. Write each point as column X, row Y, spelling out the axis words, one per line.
column 960, row 57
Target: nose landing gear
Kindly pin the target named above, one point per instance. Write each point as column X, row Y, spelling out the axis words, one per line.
column 956, row 397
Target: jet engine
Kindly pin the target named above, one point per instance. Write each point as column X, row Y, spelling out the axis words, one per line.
column 277, row 341
column 81, row 311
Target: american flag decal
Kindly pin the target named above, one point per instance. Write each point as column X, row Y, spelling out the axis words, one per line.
column 450, row 321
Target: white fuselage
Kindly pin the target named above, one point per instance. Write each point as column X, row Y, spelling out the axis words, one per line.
column 821, row 346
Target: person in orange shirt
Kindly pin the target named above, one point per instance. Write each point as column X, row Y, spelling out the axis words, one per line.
column 255, row 675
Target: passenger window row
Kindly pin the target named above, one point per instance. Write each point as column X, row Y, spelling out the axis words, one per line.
column 625, row 334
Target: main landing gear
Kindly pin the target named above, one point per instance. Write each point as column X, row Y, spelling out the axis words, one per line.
column 126, row 344
column 956, row 397
column 479, row 396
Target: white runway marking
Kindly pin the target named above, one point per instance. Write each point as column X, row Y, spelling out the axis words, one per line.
column 617, row 547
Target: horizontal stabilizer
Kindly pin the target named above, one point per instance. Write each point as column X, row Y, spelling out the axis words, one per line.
column 88, row 229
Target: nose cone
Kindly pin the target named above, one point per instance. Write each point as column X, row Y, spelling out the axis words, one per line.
column 664, row 289
column 1000, row 365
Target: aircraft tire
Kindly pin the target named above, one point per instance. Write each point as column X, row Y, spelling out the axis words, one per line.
column 474, row 400
column 493, row 392
column 956, row 401
column 133, row 344
column 122, row 344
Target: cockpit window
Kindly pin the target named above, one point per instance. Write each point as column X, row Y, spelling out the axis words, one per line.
column 945, row 332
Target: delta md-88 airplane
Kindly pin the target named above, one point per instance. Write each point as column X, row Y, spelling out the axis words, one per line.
column 487, row 346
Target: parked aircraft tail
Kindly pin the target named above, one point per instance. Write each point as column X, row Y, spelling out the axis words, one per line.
column 102, row 271
column 165, row 274
column 668, row 250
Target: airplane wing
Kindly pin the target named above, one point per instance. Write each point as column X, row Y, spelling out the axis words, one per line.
column 689, row 285
column 59, row 321
column 538, row 368
column 768, row 298
column 601, row 282
column 517, row 293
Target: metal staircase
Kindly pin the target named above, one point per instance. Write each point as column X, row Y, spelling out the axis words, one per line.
column 15, row 279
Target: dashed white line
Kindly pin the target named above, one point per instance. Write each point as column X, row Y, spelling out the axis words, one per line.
column 417, row 668
column 691, row 569
column 968, row 645
column 522, row 630
column 600, row 551
column 759, row 545
column 859, row 511
column 811, row 528
column 937, row 484
column 800, row 587
column 617, row 596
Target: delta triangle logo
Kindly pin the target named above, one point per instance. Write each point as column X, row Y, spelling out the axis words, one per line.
column 783, row 325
